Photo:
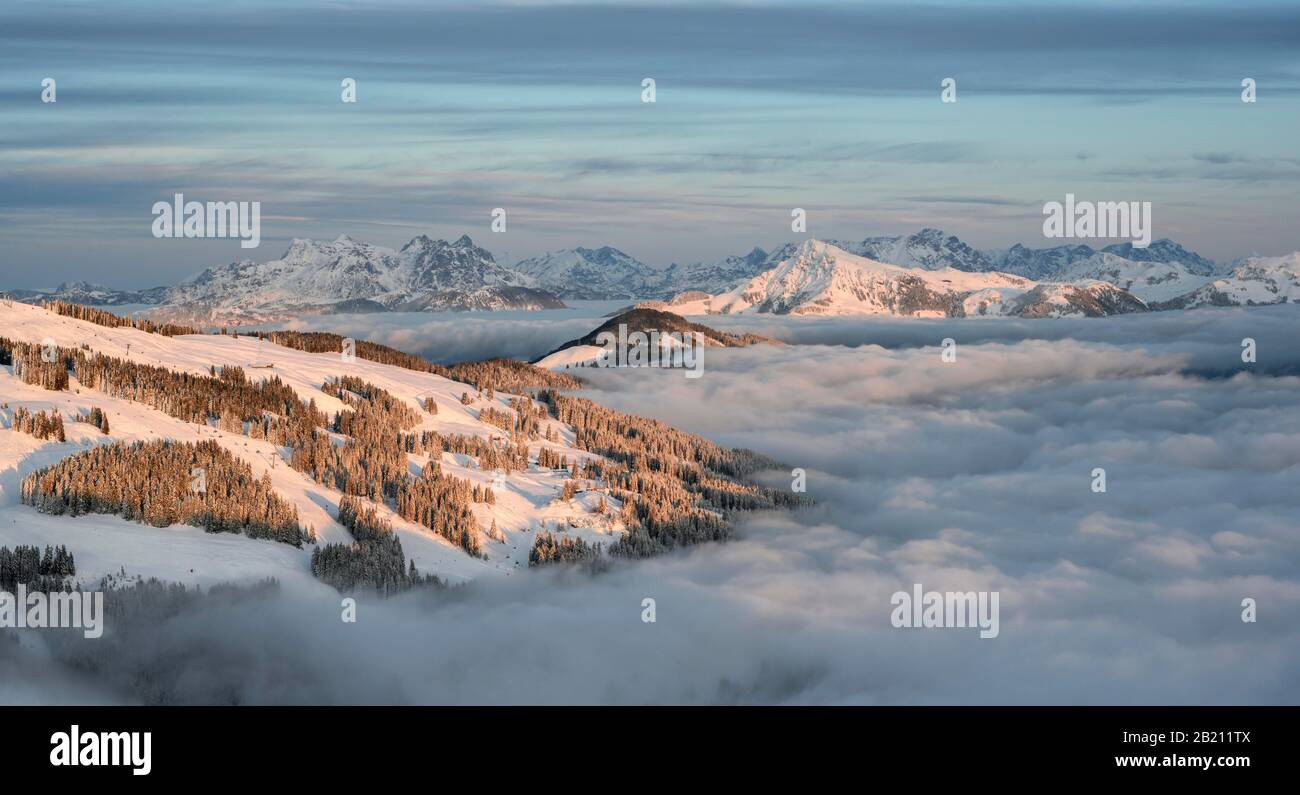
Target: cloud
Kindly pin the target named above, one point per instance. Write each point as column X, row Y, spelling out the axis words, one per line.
column 448, row 337
column 535, row 108
column 970, row 476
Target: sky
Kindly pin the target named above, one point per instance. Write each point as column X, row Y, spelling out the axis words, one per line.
column 536, row 108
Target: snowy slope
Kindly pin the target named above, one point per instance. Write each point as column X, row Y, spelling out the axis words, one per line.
column 573, row 356
column 105, row 544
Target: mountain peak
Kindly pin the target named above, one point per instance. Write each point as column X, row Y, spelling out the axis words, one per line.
column 80, row 286
column 930, row 248
column 1164, row 250
column 818, row 278
column 418, row 242
column 592, row 273
column 313, row 275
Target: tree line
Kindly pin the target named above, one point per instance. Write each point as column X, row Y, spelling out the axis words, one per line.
column 101, row 317
column 40, row 572
column 547, row 548
column 442, row 504
column 40, row 424
column 676, row 487
column 166, row 482
column 375, row 560
column 503, row 375
column 96, row 417
column 37, row 365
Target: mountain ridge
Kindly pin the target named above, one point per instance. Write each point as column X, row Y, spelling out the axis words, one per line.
column 820, row 278
column 428, row 274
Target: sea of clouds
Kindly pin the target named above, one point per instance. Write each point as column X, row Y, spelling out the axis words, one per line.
column 970, row 475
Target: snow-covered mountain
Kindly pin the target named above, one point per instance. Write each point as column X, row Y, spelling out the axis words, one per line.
column 436, row 265
column 587, row 349
column 591, row 274
column 1164, row 250
column 1037, row 263
column 317, row 275
column 88, row 294
column 608, row 273
column 818, row 278
column 711, row 277
column 1153, row 282
column 1255, row 281
column 1051, row 262
column 346, row 275
column 929, row 249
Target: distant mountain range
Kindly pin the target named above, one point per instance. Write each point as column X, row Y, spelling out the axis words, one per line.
column 818, row 278
column 346, row 275
column 425, row 274
column 92, row 295
column 1254, row 281
column 586, row 274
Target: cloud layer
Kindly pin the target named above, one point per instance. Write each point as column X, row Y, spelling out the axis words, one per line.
column 973, row 475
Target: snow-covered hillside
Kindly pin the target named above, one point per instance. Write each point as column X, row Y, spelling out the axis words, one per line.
column 526, row 502
column 656, row 323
